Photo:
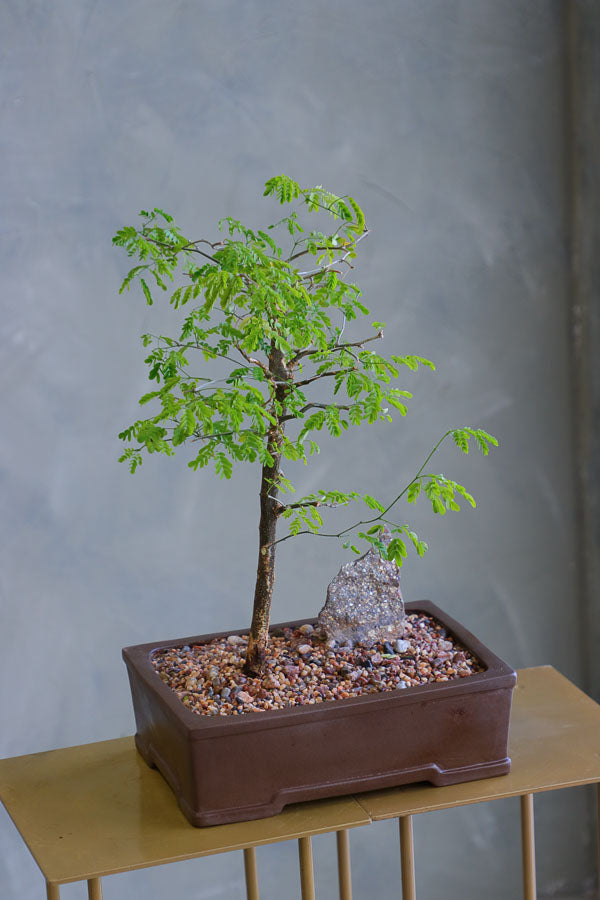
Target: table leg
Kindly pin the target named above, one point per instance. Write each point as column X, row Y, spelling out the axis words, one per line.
column 407, row 858
column 343, row 855
column 94, row 889
column 307, row 880
column 251, row 873
column 52, row 891
column 598, row 833
column 528, row 847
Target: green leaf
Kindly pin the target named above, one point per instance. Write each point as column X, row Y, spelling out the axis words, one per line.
column 461, row 439
column 283, row 187
column 133, row 458
column 162, row 213
column 464, row 493
column 413, row 491
column 180, row 434
column 396, row 550
column 372, row 503
column 374, row 529
column 190, row 420
column 412, row 362
column 332, row 417
column 146, row 291
column 223, row 465
column 400, row 406
column 359, row 225
column 147, row 397
column 483, row 439
column 356, row 414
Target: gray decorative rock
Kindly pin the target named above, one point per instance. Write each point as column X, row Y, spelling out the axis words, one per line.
column 364, row 602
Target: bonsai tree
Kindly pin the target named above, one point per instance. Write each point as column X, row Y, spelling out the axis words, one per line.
column 266, row 312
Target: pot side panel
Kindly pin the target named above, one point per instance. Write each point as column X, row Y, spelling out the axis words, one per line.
column 441, row 741
column 240, row 776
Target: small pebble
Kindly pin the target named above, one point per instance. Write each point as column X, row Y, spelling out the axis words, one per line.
column 209, row 678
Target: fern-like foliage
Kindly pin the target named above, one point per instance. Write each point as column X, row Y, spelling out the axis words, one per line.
column 273, row 306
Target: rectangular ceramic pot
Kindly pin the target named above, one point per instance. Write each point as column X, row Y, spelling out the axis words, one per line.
column 234, row 768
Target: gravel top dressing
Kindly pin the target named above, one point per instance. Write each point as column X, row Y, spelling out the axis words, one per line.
column 303, row 668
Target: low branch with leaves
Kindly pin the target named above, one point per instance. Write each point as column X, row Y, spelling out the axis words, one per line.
column 247, row 305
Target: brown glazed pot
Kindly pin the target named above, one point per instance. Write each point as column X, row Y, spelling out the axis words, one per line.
column 234, row 768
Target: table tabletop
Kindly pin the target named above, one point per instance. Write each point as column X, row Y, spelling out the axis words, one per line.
column 97, row 809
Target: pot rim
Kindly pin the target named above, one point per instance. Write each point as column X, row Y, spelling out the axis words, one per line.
column 496, row 675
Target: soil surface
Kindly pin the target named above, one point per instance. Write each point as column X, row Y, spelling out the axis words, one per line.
column 303, row 668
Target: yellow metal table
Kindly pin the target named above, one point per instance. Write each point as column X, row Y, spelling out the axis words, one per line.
column 95, row 810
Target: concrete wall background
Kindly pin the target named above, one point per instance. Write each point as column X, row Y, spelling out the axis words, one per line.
column 584, row 81
column 447, row 121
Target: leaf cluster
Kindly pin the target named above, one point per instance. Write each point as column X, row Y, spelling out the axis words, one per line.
column 262, row 319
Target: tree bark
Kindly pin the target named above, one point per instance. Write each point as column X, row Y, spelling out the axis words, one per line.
column 265, row 573
column 267, row 528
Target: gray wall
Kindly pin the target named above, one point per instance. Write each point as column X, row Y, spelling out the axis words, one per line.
column 447, row 121
column 583, row 79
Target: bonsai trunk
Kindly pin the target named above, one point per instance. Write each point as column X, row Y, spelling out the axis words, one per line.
column 265, row 571
column 269, row 511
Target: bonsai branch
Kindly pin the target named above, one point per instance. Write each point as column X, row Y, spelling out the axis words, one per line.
column 188, row 248
column 313, row 351
column 217, row 435
column 335, row 262
column 380, row 517
column 323, row 375
column 315, row 503
column 255, row 362
column 308, row 406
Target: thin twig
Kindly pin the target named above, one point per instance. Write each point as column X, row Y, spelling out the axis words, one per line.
column 315, row 503
column 314, row 351
column 220, row 434
column 255, row 362
column 313, row 406
column 380, row 517
column 322, row 375
column 189, row 248
column 340, row 259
